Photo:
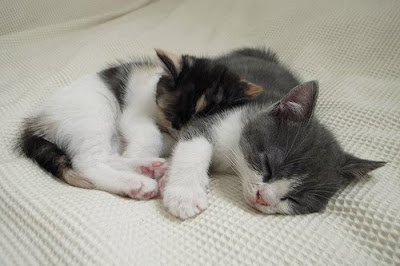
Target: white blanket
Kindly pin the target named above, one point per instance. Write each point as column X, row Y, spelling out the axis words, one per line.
column 351, row 47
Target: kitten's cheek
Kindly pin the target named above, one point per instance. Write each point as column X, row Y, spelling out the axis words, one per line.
column 280, row 208
column 268, row 209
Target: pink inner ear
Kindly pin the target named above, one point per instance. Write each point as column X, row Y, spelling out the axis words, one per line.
column 174, row 58
column 299, row 103
column 301, row 95
column 296, row 108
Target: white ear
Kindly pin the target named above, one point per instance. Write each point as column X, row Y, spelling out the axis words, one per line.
column 172, row 62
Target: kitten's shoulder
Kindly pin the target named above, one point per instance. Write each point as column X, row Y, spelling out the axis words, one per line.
column 120, row 70
column 116, row 76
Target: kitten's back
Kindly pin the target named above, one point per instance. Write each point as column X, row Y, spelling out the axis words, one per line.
column 259, row 53
column 261, row 67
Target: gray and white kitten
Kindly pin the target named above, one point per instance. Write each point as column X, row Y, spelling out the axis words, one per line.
column 288, row 162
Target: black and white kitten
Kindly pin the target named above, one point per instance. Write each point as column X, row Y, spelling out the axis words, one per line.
column 288, row 162
column 103, row 131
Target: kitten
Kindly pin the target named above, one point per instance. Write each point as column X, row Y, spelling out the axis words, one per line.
column 287, row 161
column 103, row 131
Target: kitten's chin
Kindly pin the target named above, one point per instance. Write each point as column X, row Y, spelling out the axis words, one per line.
column 281, row 208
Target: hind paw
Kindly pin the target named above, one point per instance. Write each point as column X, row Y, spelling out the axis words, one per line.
column 142, row 188
column 152, row 167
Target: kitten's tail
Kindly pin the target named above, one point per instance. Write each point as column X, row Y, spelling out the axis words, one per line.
column 50, row 158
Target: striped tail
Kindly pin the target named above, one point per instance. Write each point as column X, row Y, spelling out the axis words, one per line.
column 50, row 157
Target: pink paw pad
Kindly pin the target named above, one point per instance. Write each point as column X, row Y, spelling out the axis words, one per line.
column 153, row 169
column 146, row 171
column 161, row 172
column 157, row 164
column 134, row 191
column 149, row 195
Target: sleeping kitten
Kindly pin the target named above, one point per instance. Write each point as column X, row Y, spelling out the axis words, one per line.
column 288, row 162
column 103, row 130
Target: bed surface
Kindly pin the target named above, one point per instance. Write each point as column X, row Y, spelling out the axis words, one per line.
column 351, row 47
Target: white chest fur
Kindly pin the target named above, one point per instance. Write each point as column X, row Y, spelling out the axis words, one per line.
column 227, row 134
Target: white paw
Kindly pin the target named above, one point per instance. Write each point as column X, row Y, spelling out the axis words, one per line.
column 152, row 167
column 184, row 201
column 141, row 187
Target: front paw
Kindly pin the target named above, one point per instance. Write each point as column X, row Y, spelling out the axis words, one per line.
column 184, row 201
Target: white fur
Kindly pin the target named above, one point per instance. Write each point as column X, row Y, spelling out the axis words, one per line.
column 185, row 189
column 84, row 119
column 227, row 134
column 137, row 122
column 227, row 157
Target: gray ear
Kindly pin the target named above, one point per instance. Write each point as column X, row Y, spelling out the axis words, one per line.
column 354, row 167
column 172, row 62
column 299, row 103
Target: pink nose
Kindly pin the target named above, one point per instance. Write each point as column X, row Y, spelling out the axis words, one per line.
column 260, row 200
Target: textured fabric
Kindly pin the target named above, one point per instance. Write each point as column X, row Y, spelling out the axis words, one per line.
column 351, row 47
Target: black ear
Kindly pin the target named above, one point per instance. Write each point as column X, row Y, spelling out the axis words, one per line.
column 354, row 167
column 172, row 62
column 299, row 103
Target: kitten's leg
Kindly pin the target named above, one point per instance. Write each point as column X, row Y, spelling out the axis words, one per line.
column 144, row 144
column 92, row 147
column 151, row 167
column 184, row 194
column 124, row 183
column 81, row 120
column 92, row 160
column 143, row 139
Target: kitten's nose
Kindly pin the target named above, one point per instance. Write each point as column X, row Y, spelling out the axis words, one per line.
column 260, row 200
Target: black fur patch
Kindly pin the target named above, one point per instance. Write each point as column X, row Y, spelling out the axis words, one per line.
column 116, row 78
column 46, row 154
column 222, row 88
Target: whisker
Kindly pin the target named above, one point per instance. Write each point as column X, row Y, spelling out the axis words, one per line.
column 301, row 143
column 320, row 196
column 294, row 139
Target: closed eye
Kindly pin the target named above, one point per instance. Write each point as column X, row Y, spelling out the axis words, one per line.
column 291, row 199
column 267, row 169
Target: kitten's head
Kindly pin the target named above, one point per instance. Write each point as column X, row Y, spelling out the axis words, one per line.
column 197, row 86
column 289, row 163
